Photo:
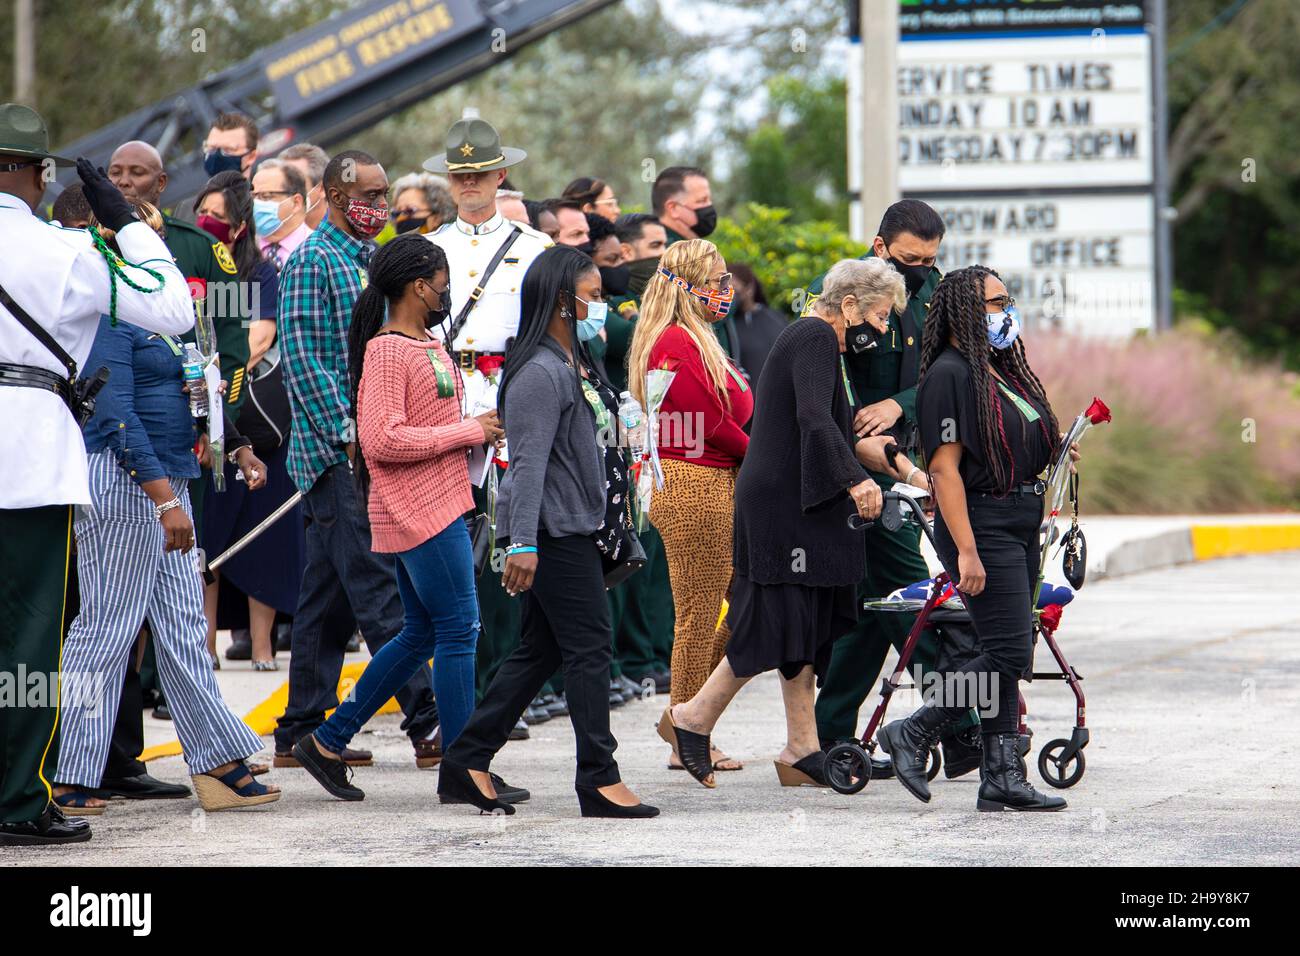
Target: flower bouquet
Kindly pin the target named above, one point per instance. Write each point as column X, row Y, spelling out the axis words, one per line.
column 647, row 479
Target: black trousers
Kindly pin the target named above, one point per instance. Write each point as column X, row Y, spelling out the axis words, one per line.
column 1006, row 538
column 565, row 624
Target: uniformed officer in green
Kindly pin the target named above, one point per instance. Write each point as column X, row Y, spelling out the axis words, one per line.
column 642, row 607
column 884, row 381
column 136, row 168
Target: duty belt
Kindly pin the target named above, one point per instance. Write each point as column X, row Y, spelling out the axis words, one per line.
column 468, row 358
column 30, row 376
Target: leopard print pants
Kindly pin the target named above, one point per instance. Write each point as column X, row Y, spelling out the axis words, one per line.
column 693, row 514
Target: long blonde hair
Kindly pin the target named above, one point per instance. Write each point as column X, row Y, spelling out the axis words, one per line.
column 666, row 303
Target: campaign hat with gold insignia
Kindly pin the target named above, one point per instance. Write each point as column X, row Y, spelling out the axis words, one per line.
column 23, row 133
column 473, row 146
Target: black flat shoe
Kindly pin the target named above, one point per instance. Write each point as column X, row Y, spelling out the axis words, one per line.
column 596, row 804
column 140, row 787
column 50, row 829
column 334, row 775
column 692, row 749
column 455, row 782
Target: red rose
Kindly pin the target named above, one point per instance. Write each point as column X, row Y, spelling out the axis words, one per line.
column 1098, row 412
column 1050, row 618
column 489, row 364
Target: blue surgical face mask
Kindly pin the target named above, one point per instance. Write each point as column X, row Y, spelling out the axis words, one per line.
column 1003, row 327
column 266, row 216
column 590, row 327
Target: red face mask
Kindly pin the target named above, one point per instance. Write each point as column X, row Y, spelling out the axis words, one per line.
column 367, row 219
column 215, row 226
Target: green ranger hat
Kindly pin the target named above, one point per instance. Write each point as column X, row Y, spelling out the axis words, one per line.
column 23, row 133
column 473, row 146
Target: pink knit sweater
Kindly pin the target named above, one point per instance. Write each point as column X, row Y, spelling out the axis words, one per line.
column 414, row 442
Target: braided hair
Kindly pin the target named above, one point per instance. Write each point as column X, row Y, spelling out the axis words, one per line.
column 394, row 267
column 957, row 311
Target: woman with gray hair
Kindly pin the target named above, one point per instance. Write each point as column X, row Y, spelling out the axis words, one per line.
column 421, row 201
column 796, row 561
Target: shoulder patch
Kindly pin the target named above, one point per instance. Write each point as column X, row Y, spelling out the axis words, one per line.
column 224, row 258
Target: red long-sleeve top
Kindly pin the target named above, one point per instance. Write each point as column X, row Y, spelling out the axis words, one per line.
column 694, row 425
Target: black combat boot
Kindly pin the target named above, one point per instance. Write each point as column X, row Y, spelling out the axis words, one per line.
column 961, row 752
column 908, row 744
column 1003, row 785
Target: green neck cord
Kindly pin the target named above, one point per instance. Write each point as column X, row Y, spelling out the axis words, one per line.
column 115, row 272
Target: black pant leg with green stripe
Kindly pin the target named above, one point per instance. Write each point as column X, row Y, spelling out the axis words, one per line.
column 35, row 545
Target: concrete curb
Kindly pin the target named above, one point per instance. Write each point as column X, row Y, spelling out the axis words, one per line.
column 1196, row 542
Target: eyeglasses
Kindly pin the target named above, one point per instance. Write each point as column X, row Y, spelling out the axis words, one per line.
column 1003, row 302
column 723, row 282
column 271, row 194
column 612, row 200
column 209, row 150
column 406, row 213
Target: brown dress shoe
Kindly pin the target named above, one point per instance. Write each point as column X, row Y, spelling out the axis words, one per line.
column 428, row 753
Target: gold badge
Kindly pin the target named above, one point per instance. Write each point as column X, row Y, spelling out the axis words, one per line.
column 223, row 258
column 909, row 340
column 467, row 150
column 236, row 383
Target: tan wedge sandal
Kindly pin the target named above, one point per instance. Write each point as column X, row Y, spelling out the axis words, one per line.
column 223, row 793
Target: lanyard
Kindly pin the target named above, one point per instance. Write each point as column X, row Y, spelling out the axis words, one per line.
column 598, row 406
column 740, row 379
column 171, row 344
column 446, row 388
column 1025, row 408
column 848, row 386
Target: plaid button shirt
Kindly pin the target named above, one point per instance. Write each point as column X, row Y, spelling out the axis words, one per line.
column 319, row 285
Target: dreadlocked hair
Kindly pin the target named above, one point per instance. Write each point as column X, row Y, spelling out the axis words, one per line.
column 394, row 267
column 957, row 311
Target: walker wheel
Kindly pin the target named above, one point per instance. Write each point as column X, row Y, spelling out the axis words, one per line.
column 1051, row 770
column 935, row 765
column 848, row 768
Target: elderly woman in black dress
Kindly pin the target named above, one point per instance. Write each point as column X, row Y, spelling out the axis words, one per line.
column 797, row 563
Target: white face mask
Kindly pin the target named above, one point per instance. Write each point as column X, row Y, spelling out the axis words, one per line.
column 1003, row 327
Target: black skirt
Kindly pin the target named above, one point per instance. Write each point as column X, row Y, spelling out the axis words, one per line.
column 786, row 626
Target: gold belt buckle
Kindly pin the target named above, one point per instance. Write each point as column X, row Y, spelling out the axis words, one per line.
column 466, row 359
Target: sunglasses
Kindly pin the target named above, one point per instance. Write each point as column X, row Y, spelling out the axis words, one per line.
column 1003, row 302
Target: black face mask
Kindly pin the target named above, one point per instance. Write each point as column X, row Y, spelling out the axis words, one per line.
column 615, row 279
column 639, row 273
column 439, row 315
column 913, row 276
column 862, row 338
column 586, row 249
column 706, row 220
column 410, row 224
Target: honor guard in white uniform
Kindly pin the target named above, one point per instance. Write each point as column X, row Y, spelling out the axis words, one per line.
column 480, row 272
column 54, row 285
column 486, row 275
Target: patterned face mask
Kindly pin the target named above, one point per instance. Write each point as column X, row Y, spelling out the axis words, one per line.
column 366, row 218
column 717, row 302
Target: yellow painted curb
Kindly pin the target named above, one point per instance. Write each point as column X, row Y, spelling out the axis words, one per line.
column 262, row 718
column 1231, row 540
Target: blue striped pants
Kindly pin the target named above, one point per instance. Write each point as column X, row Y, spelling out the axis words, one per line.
column 126, row 577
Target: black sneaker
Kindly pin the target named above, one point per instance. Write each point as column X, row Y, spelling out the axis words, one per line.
column 537, row 713
column 334, row 775
column 520, row 731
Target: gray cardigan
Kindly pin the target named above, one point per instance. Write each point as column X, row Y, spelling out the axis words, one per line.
column 556, row 477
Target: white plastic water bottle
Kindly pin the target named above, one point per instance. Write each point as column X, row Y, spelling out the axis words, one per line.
column 632, row 419
column 192, row 370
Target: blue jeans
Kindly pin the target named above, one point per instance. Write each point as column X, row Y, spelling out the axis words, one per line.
column 436, row 583
column 345, row 586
